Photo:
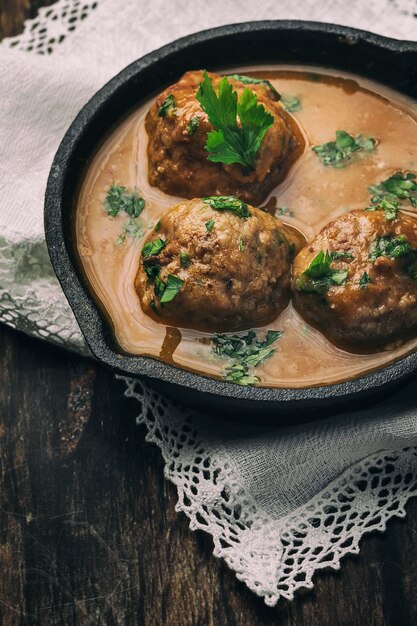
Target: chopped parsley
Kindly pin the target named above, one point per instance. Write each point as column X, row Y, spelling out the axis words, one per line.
column 241, row 245
column 319, row 276
column 400, row 186
column 245, row 352
column 292, row 104
column 389, row 246
column 337, row 153
column 390, row 207
column 167, row 108
column 184, row 259
column 249, row 80
column 153, row 247
column 157, row 226
column 364, row 280
column 193, row 125
column 228, row 203
column 171, row 288
column 120, row 200
column 154, row 308
column 209, row 225
column 336, row 256
column 233, row 142
column 283, row 210
column 151, row 270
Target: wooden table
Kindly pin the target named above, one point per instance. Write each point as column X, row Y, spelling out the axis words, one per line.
column 88, row 531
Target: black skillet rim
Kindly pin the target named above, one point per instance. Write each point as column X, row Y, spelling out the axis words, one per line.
column 91, row 320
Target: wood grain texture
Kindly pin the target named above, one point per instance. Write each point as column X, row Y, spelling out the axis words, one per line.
column 88, row 530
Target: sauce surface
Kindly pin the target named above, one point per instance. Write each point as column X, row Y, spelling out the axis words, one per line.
column 310, row 196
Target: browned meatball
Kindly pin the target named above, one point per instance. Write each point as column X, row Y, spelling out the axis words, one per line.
column 363, row 294
column 178, row 127
column 214, row 269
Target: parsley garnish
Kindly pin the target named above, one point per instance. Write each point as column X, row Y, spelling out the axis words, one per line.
column 154, row 307
column 389, row 246
column 364, row 280
column 209, row 226
column 292, row 104
column 336, row 256
column 153, row 247
column 319, row 276
column 184, row 259
column 228, row 203
column 231, row 142
column 151, row 270
column 171, row 288
column 157, row 226
column 388, row 206
column 338, row 153
column 193, row 125
column 245, row 352
column 400, row 186
column 119, row 199
column 241, row 245
column 249, row 80
column 167, row 107
column 283, row 210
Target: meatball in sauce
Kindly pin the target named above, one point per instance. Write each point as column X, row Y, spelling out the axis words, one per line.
column 231, row 265
column 178, row 127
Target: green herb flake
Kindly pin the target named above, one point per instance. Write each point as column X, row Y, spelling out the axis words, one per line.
column 151, row 270
column 228, row 203
column 399, row 187
column 338, row 153
column 241, row 245
column 157, row 226
column 249, row 80
column 292, row 104
column 319, row 276
column 168, row 107
column 172, row 288
column 154, row 307
column 388, row 206
column 389, row 246
column 193, row 125
column 245, row 352
column 336, row 256
column 119, row 199
column 184, row 259
column 154, row 247
column 364, row 280
column 210, row 225
column 233, row 142
column 283, row 210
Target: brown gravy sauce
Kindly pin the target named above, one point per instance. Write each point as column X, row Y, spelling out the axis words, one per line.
column 331, row 100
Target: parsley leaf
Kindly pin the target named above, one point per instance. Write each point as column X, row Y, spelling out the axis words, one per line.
column 209, row 225
column 245, row 352
column 153, row 247
column 154, row 308
column 292, row 104
column 193, row 125
column 283, row 210
column 249, row 80
column 364, row 280
column 184, row 259
column 119, row 199
column 172, row 287
column 228, row 203
column 229, row 142
column 338, row 153
column 390, row 207
column 319, row 276
column 241, row 245
column 389, row 246
column 167, row 108
column 336, row 256
column 400, row 186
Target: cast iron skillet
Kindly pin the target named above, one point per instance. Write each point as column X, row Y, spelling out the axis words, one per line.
column 389, row 61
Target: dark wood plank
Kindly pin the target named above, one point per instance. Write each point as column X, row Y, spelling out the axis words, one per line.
column 88, row 530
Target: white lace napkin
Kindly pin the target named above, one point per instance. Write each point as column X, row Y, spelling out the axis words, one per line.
column 279, row 504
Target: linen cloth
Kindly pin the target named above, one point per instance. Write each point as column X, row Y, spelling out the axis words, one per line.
column 279, row 503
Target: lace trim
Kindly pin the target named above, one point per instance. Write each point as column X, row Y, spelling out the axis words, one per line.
column 273, row 557
column 51, row 26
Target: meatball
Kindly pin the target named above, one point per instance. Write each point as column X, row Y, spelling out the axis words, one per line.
column 357, row 280
column 178, row 127
column 215, row 269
